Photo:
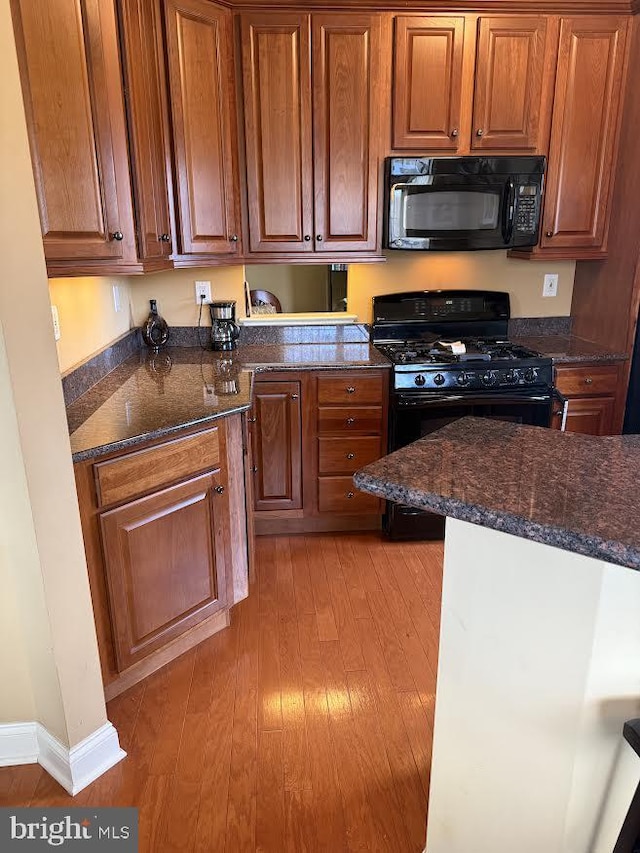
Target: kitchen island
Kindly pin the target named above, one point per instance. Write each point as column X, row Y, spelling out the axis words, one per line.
column 539, row 661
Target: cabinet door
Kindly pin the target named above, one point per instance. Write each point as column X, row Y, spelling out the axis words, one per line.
column 589, row 416
column 427, row 82
column 277, row 90
column 514, row 83
column 199, row 45
column 164, row 558
column 585, row 128
column 142, row 65
column 277, row 446
column 347, row 94
column 70, row 70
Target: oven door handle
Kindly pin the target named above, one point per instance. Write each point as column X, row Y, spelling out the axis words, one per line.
column 411, row 401
column 564, row 402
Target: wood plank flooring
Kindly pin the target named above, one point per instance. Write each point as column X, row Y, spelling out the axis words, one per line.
column 306, row 726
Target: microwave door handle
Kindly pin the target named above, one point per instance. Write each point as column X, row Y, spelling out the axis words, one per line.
column 509, row 211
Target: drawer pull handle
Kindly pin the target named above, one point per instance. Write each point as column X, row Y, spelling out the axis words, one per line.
column 351, row 390
column 351, row 455
column 252, row 420
column 350, row 421
column 220, row 490
column 588, row 381
column 295, row 396
column 350, row 495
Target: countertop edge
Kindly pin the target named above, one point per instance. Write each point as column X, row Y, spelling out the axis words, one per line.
column 133, row 441
column 578, row 543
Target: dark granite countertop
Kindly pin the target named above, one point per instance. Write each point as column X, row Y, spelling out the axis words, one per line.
column 574, row 492
column 149, row 396
column 567, row 349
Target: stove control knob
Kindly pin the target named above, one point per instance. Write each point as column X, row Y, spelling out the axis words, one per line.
column 439, row 379
column 463, row 379
column 530, row 374
column 510, row 377
column 488, row 378
column 420, row 380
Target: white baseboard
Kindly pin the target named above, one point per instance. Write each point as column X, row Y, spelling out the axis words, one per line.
column 18, row 743
column 75, row 768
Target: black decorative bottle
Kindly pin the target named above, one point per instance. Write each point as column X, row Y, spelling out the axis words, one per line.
column 155, row 330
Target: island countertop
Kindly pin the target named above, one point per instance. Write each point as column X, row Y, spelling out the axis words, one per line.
column 574, row 492
column 150, row 395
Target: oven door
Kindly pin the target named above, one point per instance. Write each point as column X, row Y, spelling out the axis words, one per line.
column 415, row 415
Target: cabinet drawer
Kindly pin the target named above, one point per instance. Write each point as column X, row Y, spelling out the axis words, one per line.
column 338, row 494
column 584, row 381
column 346, row 455
column 350, row 389
column 128, row 476
column 350, row 419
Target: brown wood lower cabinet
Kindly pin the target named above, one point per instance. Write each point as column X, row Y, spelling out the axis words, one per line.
column 166, row 559
column 591, row 393
column 311, row 431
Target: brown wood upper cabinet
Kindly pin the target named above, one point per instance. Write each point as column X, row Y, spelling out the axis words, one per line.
column 445, row 100
column 584, row 138
column 143, row 62
column 71, row 81
column 312, row 148
column 201, row 78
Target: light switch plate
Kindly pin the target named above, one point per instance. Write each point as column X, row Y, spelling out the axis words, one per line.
column 56, row 322
column 550, row 286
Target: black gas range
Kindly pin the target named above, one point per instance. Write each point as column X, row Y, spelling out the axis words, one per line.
column 451, row 358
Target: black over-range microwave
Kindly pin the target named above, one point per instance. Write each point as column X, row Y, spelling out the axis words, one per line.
column 463, row 203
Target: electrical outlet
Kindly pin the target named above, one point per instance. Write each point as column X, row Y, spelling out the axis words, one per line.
column 550, row 286
column 209, row 395
column 56, row 322
column 116, row 299
column 203, row 288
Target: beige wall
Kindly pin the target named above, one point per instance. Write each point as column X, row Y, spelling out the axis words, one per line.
column 487, row 270
column 87, row 315
column 175, row 293
column 299, row 287
column 41, row 549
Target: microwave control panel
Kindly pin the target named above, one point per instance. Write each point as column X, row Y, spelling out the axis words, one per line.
column 527, row 204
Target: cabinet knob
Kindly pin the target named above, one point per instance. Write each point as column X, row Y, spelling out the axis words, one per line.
column 549, row 234
column 351, row 390
column 351, row 455
column 558, row 414
column 351, row 421
column 319, row 238
column 220, row 490
column 117, row 235
column 455, row 132
column 164, row 238
column 479, row 132
column 252, row 420
column 350, row 495
column 254, row 469
column 295, row 396
column 233, row 238
column 588, row 381
column 307, row 237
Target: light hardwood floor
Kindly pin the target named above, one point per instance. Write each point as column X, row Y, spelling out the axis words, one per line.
column 305, row 726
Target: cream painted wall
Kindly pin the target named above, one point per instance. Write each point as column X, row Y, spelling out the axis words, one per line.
column 87, row 315
column 42, row 547
column 299, row 287
column 475, row 270
column 174, row 291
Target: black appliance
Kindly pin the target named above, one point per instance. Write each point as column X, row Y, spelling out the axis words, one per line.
column 434, row 383
column 463, row 203
column 632, row 414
